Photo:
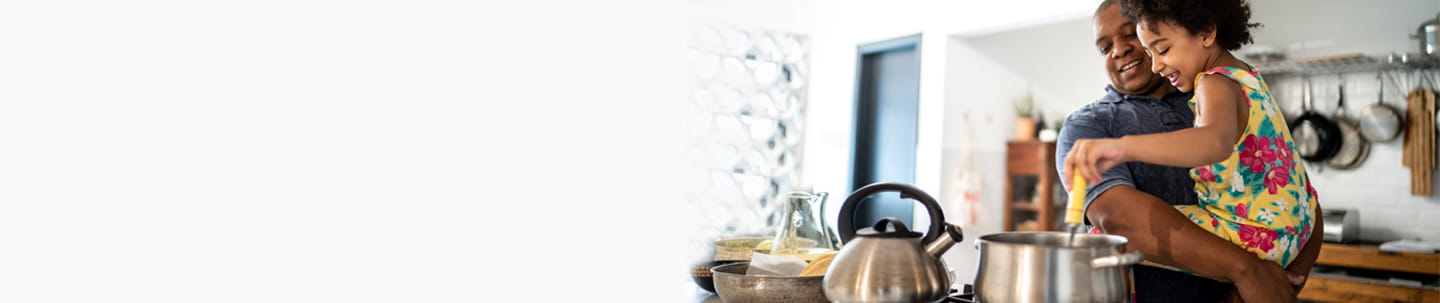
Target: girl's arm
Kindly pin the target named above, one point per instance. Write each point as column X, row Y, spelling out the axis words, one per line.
column 1220, row 119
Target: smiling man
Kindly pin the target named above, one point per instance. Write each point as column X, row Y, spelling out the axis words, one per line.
column 1136, row 199
column 1138, row 101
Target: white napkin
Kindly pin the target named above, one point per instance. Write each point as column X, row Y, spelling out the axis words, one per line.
column 1411, row 246
column 771, row 265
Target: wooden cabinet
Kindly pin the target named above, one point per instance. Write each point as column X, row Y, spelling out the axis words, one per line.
column 1031, row 191
column 1336, row 287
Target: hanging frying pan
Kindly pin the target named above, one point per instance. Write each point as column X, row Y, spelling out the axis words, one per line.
column 1353, row 146
column 1316, row 137
column 1381, row 122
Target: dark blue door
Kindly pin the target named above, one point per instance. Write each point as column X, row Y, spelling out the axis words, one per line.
column 886, row 109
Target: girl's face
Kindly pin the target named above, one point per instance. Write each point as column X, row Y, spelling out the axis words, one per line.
column 1176, row 53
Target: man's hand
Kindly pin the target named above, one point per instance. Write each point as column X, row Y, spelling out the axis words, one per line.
column 1299, row 268
column 1297, row 280
column 1092, row 157
column 1264, row 281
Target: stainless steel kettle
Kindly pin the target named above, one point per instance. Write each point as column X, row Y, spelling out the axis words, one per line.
column 887, row 262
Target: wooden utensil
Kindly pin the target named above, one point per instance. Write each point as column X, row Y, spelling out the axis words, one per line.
column 1420, row 141
column 1425, row 156
column 1412, row 135
column 1429, row 154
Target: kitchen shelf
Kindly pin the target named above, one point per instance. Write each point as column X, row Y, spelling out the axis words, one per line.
column 1373, row 258
column 1024, row 206
column 1328, row 288
column 1030, row 186
column 1332, row 286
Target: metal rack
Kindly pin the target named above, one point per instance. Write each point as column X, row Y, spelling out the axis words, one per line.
column 1352, row 63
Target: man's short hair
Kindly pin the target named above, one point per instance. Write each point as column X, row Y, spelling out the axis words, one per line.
column 1104, row 5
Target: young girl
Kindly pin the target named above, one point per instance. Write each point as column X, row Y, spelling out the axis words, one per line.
column 1253, row 189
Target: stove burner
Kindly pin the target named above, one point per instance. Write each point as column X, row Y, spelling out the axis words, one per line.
column 960, row 296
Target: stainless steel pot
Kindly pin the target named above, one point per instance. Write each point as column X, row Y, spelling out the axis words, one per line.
column 1039, row 267
column 1429, row 36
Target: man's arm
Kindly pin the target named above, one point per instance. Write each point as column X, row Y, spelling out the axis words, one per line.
column 1165, row 236
column 1306, row 259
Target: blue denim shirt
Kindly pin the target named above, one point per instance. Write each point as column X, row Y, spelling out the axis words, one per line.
column 1116, row 115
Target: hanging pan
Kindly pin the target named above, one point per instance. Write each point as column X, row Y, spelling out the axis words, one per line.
column 1381, row 122
column 1316, row 137
column 1353, row 146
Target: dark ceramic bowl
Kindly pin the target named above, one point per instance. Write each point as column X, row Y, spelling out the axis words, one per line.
column 702, row 275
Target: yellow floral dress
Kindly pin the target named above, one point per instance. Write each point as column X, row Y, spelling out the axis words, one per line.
column 1260, row 198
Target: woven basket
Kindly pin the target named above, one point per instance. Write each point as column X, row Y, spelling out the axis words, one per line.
column 738, row 248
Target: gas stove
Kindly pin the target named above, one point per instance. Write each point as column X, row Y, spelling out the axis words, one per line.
column 966, row 295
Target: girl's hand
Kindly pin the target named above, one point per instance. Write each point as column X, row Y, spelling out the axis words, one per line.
column 1092, row 157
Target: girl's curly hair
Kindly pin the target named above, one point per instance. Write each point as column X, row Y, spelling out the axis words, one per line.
column 1229, row 18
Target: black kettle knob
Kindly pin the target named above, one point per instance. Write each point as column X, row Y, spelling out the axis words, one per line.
column 847, row 211
column 896, row 229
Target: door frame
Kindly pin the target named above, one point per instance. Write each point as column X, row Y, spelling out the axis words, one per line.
column 912, row 41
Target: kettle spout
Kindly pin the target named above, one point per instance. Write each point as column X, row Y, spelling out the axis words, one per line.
column 937, row 247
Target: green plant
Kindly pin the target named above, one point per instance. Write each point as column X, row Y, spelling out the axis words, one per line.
column 1025, row 106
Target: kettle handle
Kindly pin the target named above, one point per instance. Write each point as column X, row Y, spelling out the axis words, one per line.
column 847, row 211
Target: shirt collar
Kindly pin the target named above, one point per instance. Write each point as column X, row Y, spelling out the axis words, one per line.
column 1114, row 96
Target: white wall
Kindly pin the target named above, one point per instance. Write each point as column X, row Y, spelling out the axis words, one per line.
column 979, row 93
column 1057, row 60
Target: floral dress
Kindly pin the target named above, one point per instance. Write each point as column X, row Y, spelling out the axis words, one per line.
column 1260, row 198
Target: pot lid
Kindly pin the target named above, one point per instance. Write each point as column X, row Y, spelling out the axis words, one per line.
column 896, row 229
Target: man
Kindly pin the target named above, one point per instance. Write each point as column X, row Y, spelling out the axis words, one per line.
column 1134, row 199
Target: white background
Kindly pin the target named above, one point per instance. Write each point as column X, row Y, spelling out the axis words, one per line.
column 340, row 151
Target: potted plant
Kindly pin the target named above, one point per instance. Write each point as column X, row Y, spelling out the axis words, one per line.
column 1025, row 126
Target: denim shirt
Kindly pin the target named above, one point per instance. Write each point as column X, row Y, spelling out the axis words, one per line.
column 1116, row 115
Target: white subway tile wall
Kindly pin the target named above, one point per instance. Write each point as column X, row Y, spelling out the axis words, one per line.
column 1379, row 188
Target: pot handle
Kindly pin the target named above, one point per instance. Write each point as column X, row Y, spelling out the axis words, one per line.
column 1116, row 260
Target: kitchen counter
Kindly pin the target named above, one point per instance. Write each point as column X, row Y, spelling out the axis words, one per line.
column 706, row 297
column 1363, row 273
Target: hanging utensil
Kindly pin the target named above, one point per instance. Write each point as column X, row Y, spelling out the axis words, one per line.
column 1427, row 154
column 1353, row 146
column 1316, row 137
column 1420, row 140
column 1381, row 122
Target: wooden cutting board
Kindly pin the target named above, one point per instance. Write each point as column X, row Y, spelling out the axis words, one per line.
column 1420, row 141
column 1428, row 156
